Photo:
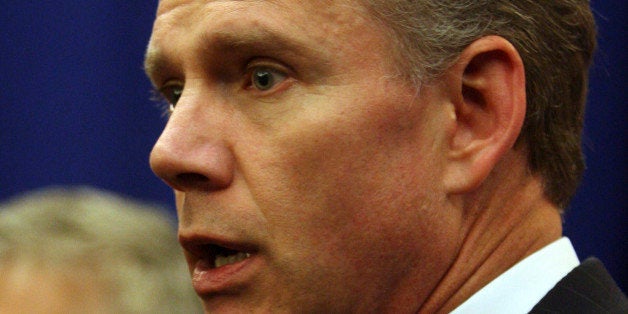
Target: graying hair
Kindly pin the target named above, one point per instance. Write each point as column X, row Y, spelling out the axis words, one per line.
column 556, row 40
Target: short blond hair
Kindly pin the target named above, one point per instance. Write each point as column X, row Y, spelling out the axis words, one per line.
column 129, row 247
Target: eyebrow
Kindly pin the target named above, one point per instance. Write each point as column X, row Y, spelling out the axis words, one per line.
column 258, row 38
column 153, row 61
column 250, row 41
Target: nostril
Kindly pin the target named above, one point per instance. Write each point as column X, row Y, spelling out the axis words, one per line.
column 191, row 178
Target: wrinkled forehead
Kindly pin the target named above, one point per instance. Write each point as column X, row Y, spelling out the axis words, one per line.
column 318, row 14
column 167, row 5
column 322, row 25
column 192, row 13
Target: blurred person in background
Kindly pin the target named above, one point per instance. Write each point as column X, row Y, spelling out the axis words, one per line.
column 81, row 250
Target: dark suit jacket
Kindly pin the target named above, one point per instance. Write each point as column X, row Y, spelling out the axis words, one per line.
column 587, row 289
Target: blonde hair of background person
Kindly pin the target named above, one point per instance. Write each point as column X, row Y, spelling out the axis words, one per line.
column 81, row 250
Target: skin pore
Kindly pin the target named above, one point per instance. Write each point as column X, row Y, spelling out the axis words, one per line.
column 351, row 189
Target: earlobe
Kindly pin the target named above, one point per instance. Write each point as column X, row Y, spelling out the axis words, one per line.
column 487, row 87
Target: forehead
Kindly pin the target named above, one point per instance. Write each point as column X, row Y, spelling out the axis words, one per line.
column 190, row 13
column 167, row 5
column 186, row 24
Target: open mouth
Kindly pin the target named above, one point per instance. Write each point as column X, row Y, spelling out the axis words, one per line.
column 217, row 268
column 215, row 256
column 221, row 256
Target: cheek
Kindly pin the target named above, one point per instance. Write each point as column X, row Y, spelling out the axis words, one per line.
column 343, row 229
column 344, row 195
column 344, row 164
column 372, row 154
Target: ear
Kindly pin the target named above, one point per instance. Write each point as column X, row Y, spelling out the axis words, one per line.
column 487, row 89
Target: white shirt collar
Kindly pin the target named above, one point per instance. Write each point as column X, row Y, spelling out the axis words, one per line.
column 521, row 287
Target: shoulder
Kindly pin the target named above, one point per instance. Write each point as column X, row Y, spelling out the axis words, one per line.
column 589, row 288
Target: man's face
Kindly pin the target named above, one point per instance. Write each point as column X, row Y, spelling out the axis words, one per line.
column 307, row 173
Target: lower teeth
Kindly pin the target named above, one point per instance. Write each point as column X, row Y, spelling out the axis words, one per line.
column 230, row 259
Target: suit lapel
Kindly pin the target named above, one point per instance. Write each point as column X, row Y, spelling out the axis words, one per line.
column 586, row 289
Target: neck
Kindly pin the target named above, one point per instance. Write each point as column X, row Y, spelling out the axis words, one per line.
column 508, row 219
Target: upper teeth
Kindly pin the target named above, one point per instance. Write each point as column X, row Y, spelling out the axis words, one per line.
column 222, row 260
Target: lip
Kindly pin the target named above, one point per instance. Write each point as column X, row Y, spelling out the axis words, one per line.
column 208, row 281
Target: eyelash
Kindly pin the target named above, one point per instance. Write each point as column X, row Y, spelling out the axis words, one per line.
column 279, row 77
column 169, row 94
column 165, row 101
column 163, row 104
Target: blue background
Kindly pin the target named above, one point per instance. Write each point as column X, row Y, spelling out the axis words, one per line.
column 75, row 110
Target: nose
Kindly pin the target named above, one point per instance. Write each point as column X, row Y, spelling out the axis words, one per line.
column 191, row 153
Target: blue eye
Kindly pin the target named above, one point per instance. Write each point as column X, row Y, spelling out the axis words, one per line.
column 264, row 78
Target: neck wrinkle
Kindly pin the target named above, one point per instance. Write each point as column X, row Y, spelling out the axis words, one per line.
column 508, row 219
